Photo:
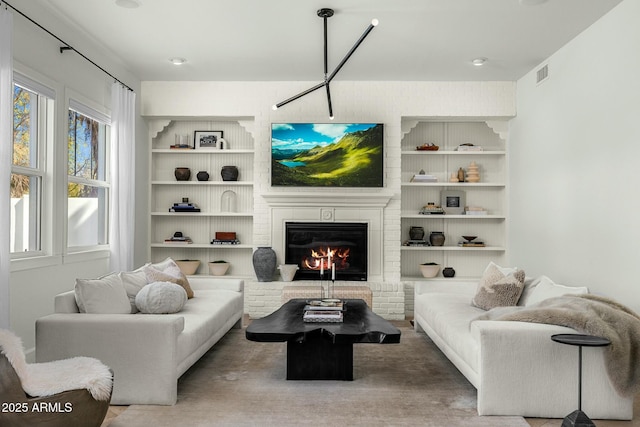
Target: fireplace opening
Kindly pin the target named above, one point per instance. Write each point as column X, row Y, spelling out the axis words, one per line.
column 319, row 247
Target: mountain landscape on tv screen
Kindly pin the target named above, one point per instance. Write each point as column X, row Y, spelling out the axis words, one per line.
column 327, row 155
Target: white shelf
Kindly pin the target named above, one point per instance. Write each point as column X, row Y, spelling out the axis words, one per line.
column 452, row 184
column 447, row 217
column 223, row 183
column 452, row 248
column 205, row 214
column 199, row 246
column 453, row 153
column 439, row 278
column 199, row 151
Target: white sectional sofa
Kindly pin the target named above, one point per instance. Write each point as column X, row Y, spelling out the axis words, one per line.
column 147, row 352
column 515, row 366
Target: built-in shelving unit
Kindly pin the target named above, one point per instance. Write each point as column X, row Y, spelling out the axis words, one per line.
column 489, row 194
column 201, row 226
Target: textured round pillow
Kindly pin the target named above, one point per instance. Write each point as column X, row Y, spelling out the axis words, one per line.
column 161, row 298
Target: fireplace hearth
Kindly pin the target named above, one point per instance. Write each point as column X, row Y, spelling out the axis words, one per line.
column 319, row 247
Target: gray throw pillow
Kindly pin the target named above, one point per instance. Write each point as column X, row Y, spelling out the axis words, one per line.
column 497, row 289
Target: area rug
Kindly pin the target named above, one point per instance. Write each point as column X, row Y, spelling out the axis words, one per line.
column 242, row 383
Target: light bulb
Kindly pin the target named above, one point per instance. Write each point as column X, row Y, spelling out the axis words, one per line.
column 479, row 62
column 177, row 61
column 274, row 107
column 374, row 22
column 331, row 117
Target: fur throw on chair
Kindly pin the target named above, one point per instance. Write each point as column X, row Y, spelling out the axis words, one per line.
column 47, row 379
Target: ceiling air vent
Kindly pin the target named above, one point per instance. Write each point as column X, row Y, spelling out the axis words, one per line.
column 542, row 74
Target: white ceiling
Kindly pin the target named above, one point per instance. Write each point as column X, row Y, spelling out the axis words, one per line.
column 283, row 39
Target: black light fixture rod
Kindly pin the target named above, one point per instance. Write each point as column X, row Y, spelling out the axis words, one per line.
column 66, row 46
column 329, row 101
column 300, row 95
column 326, row 56
column 353, row 49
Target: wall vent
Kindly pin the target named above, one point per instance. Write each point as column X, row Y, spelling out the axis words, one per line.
column 542, row 74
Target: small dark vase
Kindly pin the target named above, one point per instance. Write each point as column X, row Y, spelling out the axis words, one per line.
column 436, row 238
column 182, row 174
column 202, row 176
column 448, row 272
column 229, row 173
column 416, row 233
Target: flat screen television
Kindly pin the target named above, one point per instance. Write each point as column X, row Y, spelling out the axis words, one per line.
column 327, row 154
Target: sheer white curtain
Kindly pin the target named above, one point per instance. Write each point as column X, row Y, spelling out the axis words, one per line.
column 122, row 159
column 6, row 143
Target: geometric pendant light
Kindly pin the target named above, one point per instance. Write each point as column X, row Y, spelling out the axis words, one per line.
column 325, row 14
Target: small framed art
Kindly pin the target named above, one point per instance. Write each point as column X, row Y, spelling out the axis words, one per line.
column 207, row 139
column 452, row 201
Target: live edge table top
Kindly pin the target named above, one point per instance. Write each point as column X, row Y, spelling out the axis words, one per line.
column 360, row 325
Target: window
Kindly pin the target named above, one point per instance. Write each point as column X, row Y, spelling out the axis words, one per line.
column 32, row 117
column 88, row 185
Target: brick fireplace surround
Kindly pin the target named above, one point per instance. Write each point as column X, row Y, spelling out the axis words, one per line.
column 263, row 298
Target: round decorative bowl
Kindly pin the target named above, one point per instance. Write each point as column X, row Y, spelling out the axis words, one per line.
column 218, row 268
column 182, row 174
column 188, row 266
column 430, row 269
column 469, row 238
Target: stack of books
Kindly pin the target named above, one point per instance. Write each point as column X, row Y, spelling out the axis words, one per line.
column 178, row 240
column 423, row 177
column 184, row 207
column 225, row 238
column 469, row 147
column 324, row 313
column 475, row 210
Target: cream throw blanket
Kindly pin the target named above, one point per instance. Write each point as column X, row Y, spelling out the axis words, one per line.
column 47, row 379
column 593, row 315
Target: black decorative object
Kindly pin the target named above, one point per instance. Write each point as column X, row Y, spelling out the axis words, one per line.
column 448, row 272
column 229, row 173
column 264, row 263
column 182, row 174
column 436, row 238
column 326, row 13
column 202, row 176
column 416, row 233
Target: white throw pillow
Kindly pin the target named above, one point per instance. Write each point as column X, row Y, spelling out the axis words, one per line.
column 161, row 298
column 547, row 289
column 105, row 295
column 133, row 282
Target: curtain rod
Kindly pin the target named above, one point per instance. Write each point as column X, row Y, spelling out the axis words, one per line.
column 67, row 46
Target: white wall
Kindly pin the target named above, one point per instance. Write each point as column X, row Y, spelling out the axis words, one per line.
column 574, row 151
column 33, row 285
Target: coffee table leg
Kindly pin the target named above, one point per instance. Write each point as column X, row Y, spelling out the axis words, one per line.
column 317, row 358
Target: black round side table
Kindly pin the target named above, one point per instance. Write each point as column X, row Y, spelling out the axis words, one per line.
column 578, row 418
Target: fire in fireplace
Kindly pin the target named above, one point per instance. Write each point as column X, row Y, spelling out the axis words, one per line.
column 320, row 248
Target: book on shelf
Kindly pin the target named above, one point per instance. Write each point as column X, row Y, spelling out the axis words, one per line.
column 412, row 242
column 424, row 178
column 225, row 242
column 472, row 244
column 464, row 147
column 181, row 147
column 178, row 242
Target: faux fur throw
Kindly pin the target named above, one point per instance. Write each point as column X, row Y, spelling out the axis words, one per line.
column 593, row 315
column 47, row 379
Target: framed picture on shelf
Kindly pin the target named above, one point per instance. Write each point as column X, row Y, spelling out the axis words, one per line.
column 207, row 139
column 452, row 201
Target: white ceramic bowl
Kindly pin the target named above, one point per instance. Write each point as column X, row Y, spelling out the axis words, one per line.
column 218, row 268
column 187, row 266
column 430, row 270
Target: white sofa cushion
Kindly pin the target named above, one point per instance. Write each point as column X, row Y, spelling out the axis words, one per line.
column 545, row 288
column 449, row 315
column 168, row 271
column 133, row 282
column 105, row 295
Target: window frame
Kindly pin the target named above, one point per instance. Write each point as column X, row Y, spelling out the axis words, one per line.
column 44, row 130
column 88, row 109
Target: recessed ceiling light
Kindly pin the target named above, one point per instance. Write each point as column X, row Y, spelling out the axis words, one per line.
column 177, row 61
column 129, row 4
column 478, row 62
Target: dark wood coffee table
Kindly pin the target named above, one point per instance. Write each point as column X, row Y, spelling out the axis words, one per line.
column 322, row 351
